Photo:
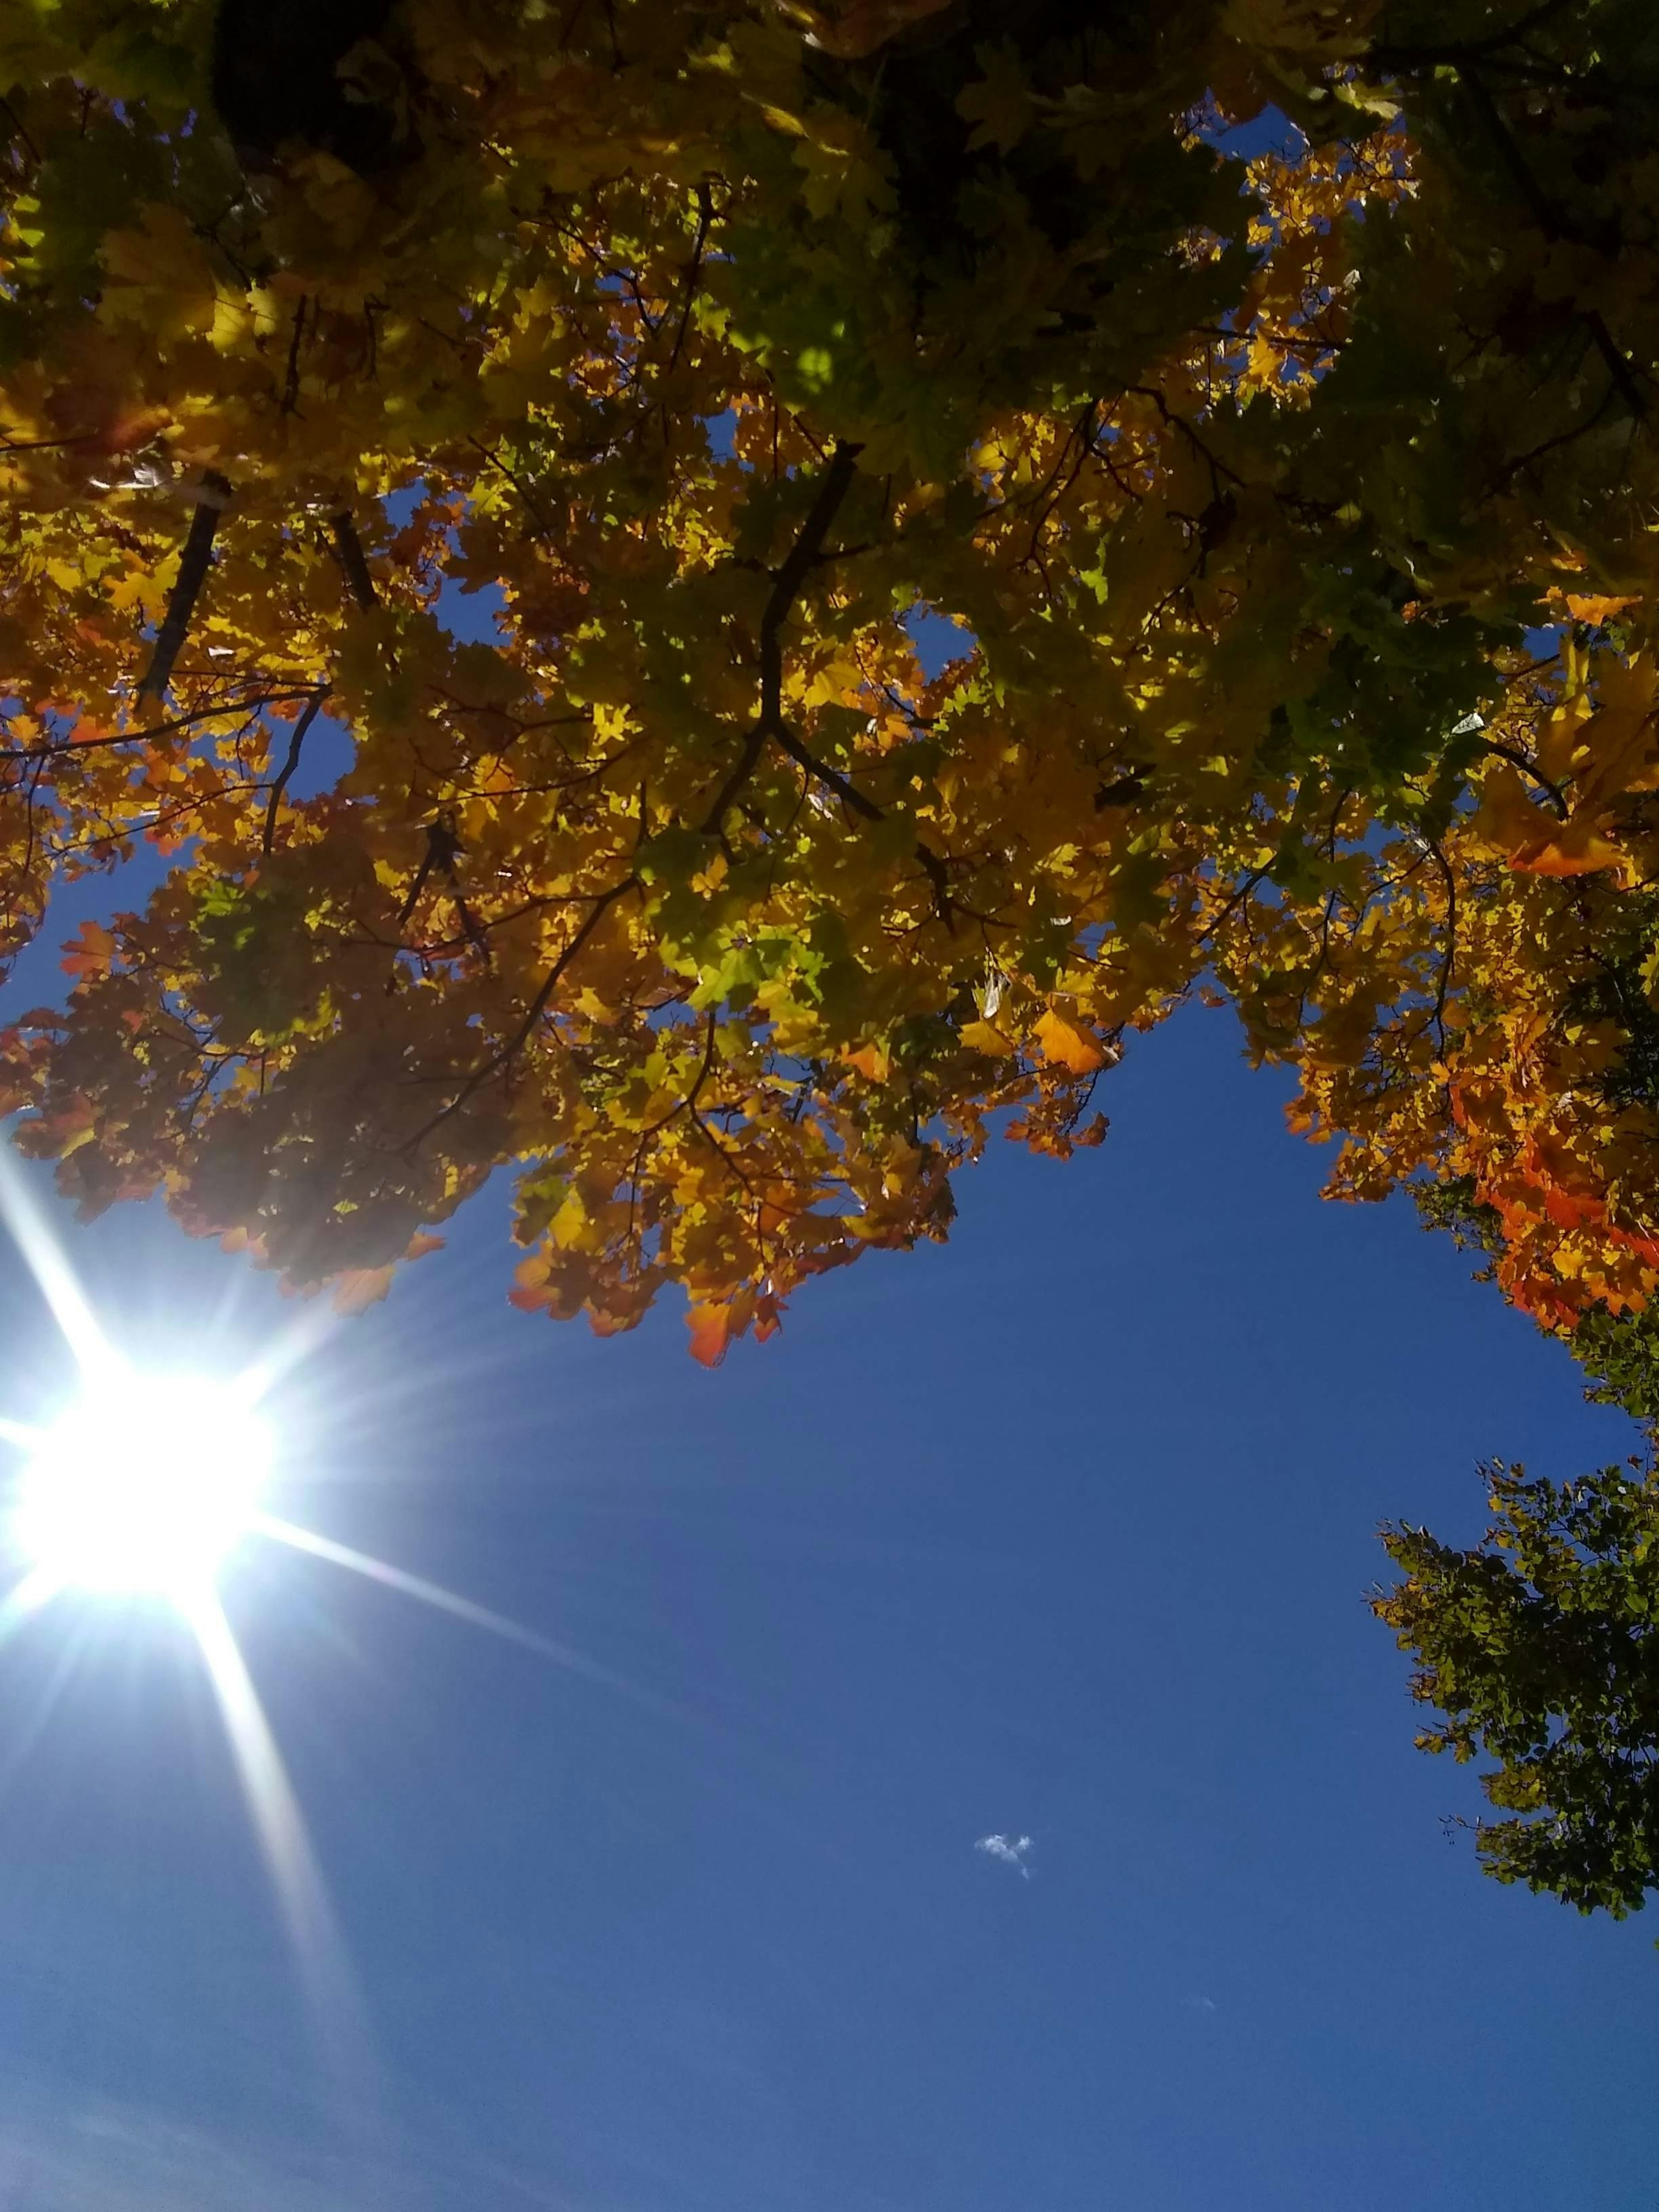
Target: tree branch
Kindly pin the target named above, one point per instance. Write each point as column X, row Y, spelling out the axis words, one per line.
column 506, row 1054
column 1409, row 60
column 1545, row 214
column 291, row 381
column 212, row 501
column 281, row 781
column 1519, row 760
column 787, row 581
column 349, row 552
column 245, row 708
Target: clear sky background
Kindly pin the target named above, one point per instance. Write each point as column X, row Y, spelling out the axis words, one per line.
column 1061, row 1531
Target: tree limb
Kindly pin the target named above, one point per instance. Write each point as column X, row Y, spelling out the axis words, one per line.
column 280, row 782
column 212, row 501
column 787, row 581
column 506, row 1054
column 349, row 552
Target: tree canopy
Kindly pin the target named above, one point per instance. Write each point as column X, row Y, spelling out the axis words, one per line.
column 1541, row 1648
column 1265, row 389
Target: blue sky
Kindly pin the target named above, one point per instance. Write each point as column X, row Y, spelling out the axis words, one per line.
column 1061, row 1531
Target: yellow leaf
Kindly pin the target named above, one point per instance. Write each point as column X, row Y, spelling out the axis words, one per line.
column 983, row 1037
column 1592, row 607
column 1068, row 1044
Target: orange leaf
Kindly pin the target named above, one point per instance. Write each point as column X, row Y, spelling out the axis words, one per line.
column 357, row 1288
column 1580, row 850
column 1592, row 607
column 873, row 1061
column 529, row 1292
column 1068, row 1043
column 711, row 1328
column 87, row 955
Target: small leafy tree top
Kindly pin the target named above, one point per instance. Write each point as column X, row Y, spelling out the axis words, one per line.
column 1541, row 1648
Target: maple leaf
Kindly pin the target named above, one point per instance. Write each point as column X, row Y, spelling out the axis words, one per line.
column 1071, row 1045
column 89, row 951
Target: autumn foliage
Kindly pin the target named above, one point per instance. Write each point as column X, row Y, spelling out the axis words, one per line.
column 1294, row 487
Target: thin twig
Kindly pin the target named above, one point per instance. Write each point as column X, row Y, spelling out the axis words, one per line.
column 245, row 708
column 506, row 1054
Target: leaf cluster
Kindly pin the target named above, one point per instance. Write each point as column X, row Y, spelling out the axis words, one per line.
column 1540, row 1646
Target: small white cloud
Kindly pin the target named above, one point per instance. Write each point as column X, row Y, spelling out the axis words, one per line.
column 1201, row 2004
column 1011, row 1850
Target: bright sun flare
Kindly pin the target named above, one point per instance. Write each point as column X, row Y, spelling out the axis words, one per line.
column 146, row 1483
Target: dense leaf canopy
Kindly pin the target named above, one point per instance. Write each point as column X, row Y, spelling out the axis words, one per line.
column 1299, row 508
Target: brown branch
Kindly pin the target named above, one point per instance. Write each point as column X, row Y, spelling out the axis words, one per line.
column 44, row 445
column 1562, row 438
column 349, row 552
column 281, row 781
column 932, row 864
column 1527, row 768
column 705, row 217
column 1545, row 214
column 245, row 708
column 1447, row 961
column 787, row 581
column 831, row 778
column 212, row 501
column 543, row 527
column 686, row 1105
column 20, row 131
column 1408, row 59
column 506, row 1054
column 291, row 381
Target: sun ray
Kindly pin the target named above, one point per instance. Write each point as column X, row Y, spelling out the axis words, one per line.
column 35, row 1724
column 22, row 1434
column 461, row 1608
column 25, row 1598
column 32, row 1233
column 303, row 1336
column 279, row 1824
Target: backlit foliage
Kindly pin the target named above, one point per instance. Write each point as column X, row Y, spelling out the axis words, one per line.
column 1298, row 511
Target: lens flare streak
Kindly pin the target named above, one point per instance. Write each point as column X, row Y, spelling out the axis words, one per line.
column 279, row 1827
column 32, row 1233
column 461, row 1608
column 111, row 1499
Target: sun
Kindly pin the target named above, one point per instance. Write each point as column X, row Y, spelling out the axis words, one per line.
column 145, row 1484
